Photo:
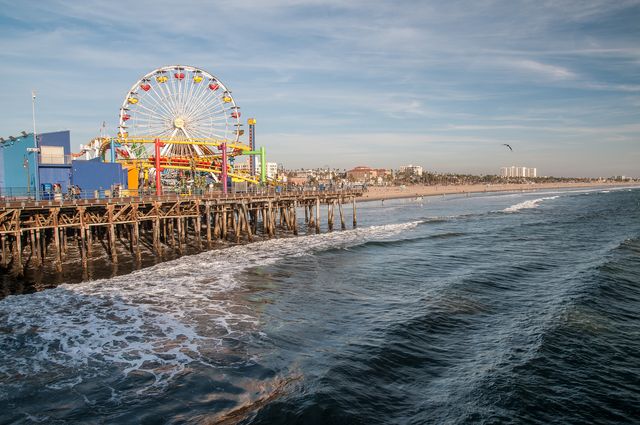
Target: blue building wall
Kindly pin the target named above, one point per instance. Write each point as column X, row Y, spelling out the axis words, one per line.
column 2, row 167
column 56, row 138
column 96, row 175
column 14, row 154
column 53, row 174
column 88, row 175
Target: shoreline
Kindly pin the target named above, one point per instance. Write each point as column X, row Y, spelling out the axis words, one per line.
column 380, row 193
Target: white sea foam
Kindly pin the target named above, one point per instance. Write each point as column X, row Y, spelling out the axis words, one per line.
column 532, row 203
column 154, row 322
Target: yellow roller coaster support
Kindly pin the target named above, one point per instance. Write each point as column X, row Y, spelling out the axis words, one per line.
column 198, row 142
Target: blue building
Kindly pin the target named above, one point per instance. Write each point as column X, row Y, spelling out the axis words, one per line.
column 17, row 169
column 56, row 166
column 95, row 175
column 55, row 158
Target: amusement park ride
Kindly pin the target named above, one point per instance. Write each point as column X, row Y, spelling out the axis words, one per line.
column 181, row 123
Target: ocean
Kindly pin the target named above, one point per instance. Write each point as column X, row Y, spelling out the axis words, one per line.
column 487, row 308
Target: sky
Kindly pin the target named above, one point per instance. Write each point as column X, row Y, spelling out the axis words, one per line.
column 345, row 83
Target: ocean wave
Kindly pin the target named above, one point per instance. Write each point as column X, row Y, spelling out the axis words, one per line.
column 154, row 322
column 532, row 203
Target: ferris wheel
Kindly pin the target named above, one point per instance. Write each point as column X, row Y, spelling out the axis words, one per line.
column 178, row 103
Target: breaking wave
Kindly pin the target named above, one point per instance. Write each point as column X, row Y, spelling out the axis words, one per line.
column 532, row 203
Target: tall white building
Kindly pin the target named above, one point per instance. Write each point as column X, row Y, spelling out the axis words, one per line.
column 413, row 169
column 272, row 168
column 514, row 171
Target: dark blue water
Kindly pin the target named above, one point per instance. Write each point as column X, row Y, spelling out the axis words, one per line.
column 496, row 308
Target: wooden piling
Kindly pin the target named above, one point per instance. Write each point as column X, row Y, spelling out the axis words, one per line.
column 317, row 221
column 17, row 254
column 112, row 236
column 56, row 240
column 5, row 251
column 207, row 212
column 355, row 222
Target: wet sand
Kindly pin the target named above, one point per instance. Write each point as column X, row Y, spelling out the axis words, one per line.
column 376, row 193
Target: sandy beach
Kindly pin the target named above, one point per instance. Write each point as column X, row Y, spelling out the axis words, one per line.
column 394, row 192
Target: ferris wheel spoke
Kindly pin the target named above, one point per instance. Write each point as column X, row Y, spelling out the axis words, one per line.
column 204, row 115
column 148, row 125
column 187, row 93
column 144, row 117
column 189, row 102
column 203, row 93
column 157, row 99
column 207, row 105
column 179, row 93
column 198, row 132
column 207, row 114
column 193, row 89
column 204, row 111
column 149, row 112
column 153, row 128
column 166, row 95
column 184, row 85
column 201, row 98
column 175, row 92
column 212, row 106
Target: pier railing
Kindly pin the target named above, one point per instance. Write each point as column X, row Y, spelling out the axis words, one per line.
column 23, row 197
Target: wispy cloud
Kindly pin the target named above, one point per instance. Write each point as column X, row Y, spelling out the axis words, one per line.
column 542, row 69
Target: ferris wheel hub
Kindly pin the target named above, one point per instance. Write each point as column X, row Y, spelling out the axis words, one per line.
column 179, row 123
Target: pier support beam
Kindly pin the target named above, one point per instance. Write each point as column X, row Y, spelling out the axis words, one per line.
column 112, row 236
column 355, row 222
column 317, row 220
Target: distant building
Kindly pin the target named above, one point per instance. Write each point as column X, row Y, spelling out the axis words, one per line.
column 415, row 170
column 366, row 174
column 514, row 171
column 272, row 169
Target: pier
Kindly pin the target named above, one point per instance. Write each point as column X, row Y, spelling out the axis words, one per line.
column 37, row 234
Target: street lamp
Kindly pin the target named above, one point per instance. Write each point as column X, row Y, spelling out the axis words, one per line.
column 35, row 145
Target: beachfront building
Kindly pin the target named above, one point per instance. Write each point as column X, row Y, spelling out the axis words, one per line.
column 514, row 171
column 272, row 169
column 366, row 174
column 411, row 169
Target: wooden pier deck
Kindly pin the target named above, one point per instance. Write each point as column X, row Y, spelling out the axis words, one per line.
column 34, row 234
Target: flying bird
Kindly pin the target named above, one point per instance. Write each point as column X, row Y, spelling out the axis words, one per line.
column 510, row 148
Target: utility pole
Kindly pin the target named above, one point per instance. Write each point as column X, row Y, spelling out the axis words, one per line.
column 35, row 145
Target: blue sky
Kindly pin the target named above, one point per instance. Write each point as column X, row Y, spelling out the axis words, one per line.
column 346, row 83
